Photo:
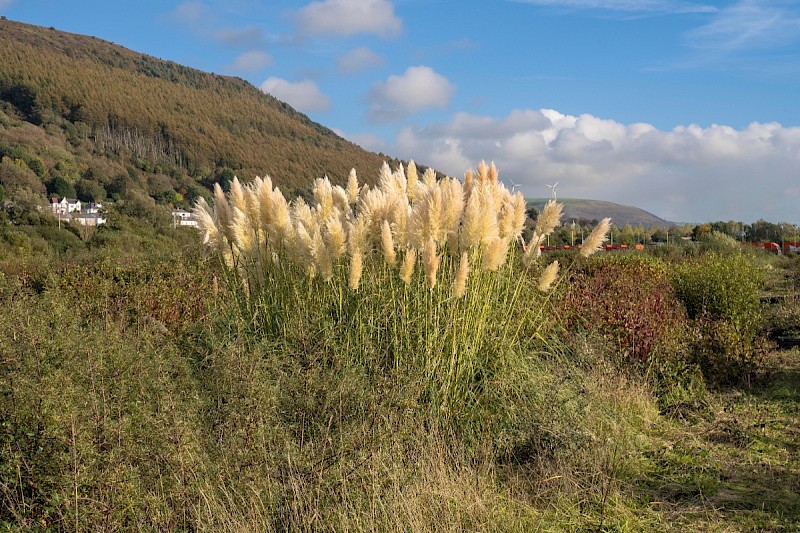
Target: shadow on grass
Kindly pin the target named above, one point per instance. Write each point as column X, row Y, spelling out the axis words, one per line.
column 738, row 467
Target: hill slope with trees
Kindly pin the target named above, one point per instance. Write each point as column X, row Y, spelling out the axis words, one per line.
column 82, row 115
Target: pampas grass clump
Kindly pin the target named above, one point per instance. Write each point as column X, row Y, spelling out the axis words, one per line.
column 416, row 274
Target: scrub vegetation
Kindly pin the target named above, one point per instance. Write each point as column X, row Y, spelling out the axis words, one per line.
column 271, row 384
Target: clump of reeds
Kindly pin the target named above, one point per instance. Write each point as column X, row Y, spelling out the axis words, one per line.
column 421, row 272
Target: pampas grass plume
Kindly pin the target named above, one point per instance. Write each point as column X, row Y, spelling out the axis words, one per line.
column 205, row 221
column 488, row 214
column 412, row 178
column 222, row 215
column 431, row 261
column 356, row 267
column 335, row 236
column 548, row 276
column 352, row 187
column 596, row 239
column 469, row 182
column 237, row 194
column 242, row 232
column 549, row 218
column 453, row 208
column 494, row 253
column 429, row 178
column 483, row 172
column 532, row 250
column 387, row 243
column 519, row 206
column 357, row 235
column 407, row 269
column 460, row 284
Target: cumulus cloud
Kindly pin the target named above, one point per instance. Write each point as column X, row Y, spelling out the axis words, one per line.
column 689, row 173
column 344, row 18
column 303, row 95
column 417, row 89
column 359, row 59
column 251, row 61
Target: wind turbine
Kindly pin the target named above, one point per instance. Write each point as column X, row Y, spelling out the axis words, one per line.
column 553, row 190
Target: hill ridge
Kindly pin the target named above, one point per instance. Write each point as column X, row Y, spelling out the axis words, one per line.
column 587, row 209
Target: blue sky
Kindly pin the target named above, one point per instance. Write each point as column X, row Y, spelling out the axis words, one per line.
column 688, row 109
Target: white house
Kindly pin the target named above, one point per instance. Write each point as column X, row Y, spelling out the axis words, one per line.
column 88, row 219
column 65, row 206
column 183, row 218
column 70, row 210
column 92, row 208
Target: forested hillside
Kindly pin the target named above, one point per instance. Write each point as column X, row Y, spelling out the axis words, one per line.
column 81, row 116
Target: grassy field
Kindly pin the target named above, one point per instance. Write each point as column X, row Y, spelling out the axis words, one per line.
column 138, row 393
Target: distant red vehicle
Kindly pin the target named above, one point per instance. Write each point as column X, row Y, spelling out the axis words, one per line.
column 771, row 247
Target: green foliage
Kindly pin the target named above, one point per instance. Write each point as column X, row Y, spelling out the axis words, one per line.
column 17, row 152
column 719, row 243
column 66, row 170
column 89, row 191
column 15, row 176
column 721, row 294
column 139, row 205
column 98, row 423
column 61, row 188
column 721, row 287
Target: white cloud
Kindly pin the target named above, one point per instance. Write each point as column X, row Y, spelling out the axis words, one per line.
column 247, row 36
column 640, row 6
column 367, row 141
column 349, row 17
column 747, row 24
column 359, row 59
column 251, row 61
column 689, row 173
column 201, row 19
column 194, row 13
column 417, row 89
column 303, row 95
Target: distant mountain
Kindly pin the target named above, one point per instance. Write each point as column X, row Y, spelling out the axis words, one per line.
column 109, row 112
column 597, row 209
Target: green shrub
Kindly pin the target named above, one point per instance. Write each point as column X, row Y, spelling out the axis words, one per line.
column 722, row 287
column 718, row 242
column 721, row 294
column 99, row 425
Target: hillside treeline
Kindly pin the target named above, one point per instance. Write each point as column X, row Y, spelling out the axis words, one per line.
column 112, row 116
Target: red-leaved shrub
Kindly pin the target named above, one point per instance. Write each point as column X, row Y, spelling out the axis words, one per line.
column 629, row 300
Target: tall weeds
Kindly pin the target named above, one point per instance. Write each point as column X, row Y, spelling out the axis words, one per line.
column 418, row 274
